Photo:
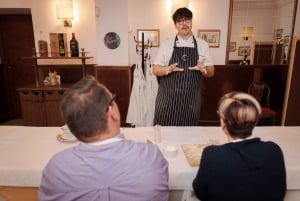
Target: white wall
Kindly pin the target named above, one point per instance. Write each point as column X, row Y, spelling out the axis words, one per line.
column 112, row 18
column 264, row 21
column 125, row 17
column 44, row 19
column 155, row 14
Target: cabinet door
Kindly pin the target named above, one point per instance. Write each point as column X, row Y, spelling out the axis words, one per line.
column 119, row 81
column 52, row 104
column 33, row 110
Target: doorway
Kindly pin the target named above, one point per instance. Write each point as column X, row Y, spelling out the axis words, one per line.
column 16, row 41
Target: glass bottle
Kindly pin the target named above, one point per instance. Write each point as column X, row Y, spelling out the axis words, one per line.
column 43, row 46
column 74, row 46
column 61, row 44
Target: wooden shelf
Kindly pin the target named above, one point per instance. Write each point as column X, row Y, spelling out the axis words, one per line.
column 36, row 58
column 66, row 57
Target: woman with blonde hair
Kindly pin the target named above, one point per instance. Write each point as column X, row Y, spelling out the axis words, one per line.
column 246, row 168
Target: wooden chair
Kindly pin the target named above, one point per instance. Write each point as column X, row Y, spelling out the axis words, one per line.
column 261, row 91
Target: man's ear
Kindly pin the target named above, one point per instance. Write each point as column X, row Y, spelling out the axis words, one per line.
column 112, row 113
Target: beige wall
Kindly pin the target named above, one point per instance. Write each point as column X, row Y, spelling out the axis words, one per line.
column 44, row 19
column 125, row 17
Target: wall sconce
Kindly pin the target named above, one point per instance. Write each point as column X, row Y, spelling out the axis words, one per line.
column 247, row 32
column 179, row 4
column 64, row 11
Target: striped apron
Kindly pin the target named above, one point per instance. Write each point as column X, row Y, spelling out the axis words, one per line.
column 178, row 96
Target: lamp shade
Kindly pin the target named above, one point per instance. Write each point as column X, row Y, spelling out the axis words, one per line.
column 247, row 32
column 64, row 9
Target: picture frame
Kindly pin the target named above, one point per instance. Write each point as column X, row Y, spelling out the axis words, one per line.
column 211, row 36
column 151, row 37
column 232, row 46
column 244, row 51
column 277, row 34
column 286, row 40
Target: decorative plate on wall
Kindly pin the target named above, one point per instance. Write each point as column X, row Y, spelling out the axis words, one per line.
column 112, row 40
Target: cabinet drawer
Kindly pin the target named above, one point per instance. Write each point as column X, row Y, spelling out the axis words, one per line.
column 31, row 95
column 53, row 95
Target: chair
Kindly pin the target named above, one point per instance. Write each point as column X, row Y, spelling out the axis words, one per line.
column 261, row 91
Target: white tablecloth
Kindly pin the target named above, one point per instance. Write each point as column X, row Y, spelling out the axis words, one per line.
column 24, row 151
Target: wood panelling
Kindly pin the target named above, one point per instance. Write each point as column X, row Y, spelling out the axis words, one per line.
column 238, row 78
column 118, row 79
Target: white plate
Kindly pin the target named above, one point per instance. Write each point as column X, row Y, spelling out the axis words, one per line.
column 61, row 138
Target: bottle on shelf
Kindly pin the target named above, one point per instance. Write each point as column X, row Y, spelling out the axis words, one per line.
column 43, row 46
column 74, row 46
column 61, row 45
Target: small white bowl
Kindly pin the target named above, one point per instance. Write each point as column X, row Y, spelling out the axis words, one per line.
column 169, row 150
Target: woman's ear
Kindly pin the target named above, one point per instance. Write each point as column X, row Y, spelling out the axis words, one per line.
column 223, row 125
column 224, row 128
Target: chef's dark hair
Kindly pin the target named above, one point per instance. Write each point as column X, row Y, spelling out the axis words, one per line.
column 182, row 13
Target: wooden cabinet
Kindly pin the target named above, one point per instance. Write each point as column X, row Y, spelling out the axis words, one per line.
column 40, row 105
column 118, row 79
column 39, row 74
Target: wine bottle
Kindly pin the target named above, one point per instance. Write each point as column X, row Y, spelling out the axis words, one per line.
column 43, row 46
column 61, row 45
column 74, row 46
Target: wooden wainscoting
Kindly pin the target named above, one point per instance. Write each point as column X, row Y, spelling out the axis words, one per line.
column 118, row 79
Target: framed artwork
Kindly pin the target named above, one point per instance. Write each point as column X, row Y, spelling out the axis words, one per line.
column 211, row 36
column 286, row 40
column 151, row 37
column 232, row 46
column 244, row 50
column 112, row 40
column 277, row 34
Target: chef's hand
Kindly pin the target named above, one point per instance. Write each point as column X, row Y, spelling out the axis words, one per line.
column 200, row 66
column 173, row 68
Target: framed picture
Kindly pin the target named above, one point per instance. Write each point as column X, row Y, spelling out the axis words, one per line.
column 211, row 36
column 232, row 46
column 244, row 50
column 286, row 40
column 151, row 37
column 277, row 34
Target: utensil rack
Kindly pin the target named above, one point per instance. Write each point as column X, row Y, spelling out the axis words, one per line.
column 140, row 50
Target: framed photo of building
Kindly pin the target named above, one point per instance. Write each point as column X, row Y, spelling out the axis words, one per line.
column 244, row 51
column 286, row 40
column 151, row 37
column 211, row 36
column 277, row 34
column 232, row 46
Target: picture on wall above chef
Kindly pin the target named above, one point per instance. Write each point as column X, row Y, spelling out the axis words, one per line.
column 180, row 64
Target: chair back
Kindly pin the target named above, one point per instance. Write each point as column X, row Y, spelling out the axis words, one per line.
column 260, row 91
